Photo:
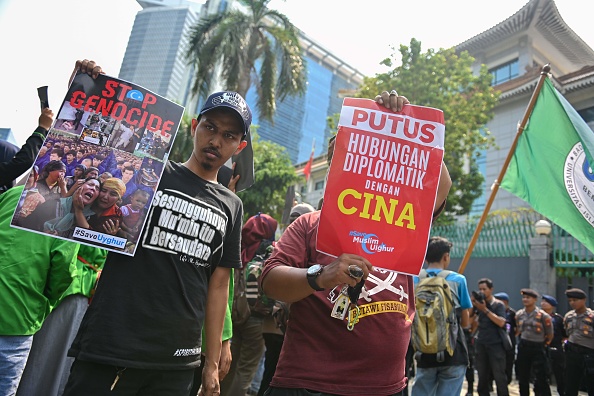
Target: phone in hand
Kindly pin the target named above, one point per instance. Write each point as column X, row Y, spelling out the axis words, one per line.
column 43, row 98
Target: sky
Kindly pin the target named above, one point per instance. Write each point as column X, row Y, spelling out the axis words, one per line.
column 41, row 40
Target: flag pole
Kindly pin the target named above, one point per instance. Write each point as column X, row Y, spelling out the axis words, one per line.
column 543, row 74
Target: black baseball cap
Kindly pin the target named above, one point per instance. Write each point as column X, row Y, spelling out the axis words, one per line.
column 232, row 100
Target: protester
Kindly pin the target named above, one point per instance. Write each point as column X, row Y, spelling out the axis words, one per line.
column 247, row 344
column 470, row 335
column 435, row 377
column 555, row 353
column 535, row 329
column 51, row 183
column 141, row 334
column 579, row 351
column 65, row 212
column 107, row 215
column 48, row 365
column 490, row 351
column 35, row 270
column 11, row 169
column 510, row 327
column 319, row 354
column 271, row 331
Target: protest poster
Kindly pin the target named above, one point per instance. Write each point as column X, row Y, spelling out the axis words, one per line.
column 382, row 184
column 101, row 162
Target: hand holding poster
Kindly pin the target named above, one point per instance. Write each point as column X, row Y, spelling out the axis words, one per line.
column 382, row 184
column 95, row 177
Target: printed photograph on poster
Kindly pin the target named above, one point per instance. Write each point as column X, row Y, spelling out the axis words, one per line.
column 382, row 184
column 95, row 175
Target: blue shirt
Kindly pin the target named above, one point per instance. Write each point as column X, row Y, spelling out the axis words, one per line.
column 462, row 290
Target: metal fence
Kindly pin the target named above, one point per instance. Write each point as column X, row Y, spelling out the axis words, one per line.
column 508, row 235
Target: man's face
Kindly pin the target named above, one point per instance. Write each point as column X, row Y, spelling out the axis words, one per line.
column 546, row 306
column 96, row 162
column 54, row 157
column 217, row 136
column 127, row 175
column 577, row 303
column 78, row 172
column 483, row 288
column 42, row 151
column 79, row 155
column 69, row 158
column 528, row 301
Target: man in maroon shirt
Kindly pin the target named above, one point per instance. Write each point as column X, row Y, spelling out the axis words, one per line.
column 319, row 354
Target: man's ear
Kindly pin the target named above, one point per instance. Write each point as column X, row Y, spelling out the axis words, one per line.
column 194, row 125
column 240, row 147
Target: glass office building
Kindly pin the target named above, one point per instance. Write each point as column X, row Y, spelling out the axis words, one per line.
column 154, row 59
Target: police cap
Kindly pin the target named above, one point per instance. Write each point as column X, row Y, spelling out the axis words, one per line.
column 575, row 293
column 529, row 292
column 550, row 299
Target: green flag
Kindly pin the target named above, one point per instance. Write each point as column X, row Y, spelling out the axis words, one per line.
column 550, row 168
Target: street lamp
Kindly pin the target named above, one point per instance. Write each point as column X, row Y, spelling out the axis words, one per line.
column 542, row 227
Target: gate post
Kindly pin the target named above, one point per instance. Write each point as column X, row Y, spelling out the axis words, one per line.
column 541, row 270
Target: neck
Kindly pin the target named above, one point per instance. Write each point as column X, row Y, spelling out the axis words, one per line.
column 580, row 310
column 530, row 308
column 197, row 168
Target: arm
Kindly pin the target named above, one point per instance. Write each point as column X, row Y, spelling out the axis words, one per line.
column 284, row 276
column 216, row 306
column 395, row 102
column 62, row 258
column 493, row 316
column 547, row 322
column 465, row 318
column 25, row 157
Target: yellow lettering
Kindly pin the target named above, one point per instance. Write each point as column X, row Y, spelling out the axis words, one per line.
column 377, row 205
column 341, row 197
column 407, row 214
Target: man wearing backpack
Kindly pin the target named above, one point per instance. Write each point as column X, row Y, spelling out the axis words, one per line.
column 440, row 373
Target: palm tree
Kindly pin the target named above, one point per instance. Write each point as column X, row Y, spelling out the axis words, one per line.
column 239, row 42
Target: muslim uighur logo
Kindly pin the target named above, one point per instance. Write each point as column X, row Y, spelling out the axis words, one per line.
column 579, row 182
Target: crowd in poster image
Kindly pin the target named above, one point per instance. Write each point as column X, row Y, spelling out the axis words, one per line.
column 105, row 131
column 76, row 184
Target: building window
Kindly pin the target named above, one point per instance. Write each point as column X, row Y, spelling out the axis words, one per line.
column 319, row 185
column 505, row 72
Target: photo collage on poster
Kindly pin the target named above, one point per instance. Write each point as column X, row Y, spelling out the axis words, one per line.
column 95, row 175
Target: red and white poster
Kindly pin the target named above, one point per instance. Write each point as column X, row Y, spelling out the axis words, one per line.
column 382, row 184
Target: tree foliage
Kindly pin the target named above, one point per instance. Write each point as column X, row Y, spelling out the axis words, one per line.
column 183, row 143
column 444, row 80
column 259, row 47
column 273, row 174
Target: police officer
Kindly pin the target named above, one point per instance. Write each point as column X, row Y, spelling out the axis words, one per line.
column 579, row 351
column 535, row 329
column 510, row 326
column 555, row 349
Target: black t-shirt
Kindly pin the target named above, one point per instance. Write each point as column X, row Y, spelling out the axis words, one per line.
column 148, row 309
column 488, row 332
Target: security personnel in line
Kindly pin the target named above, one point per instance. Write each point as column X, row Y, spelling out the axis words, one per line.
column 555, row 349
column 511, row 326
column 579, row 350
column 535, row 329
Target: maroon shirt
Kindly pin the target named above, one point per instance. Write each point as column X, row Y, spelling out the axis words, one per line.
column 319, row 353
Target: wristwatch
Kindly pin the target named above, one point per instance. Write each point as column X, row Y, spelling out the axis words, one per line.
column 312, row 273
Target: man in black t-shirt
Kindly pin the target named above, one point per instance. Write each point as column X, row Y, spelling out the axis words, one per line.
column 142, row 333
column 490, row 352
